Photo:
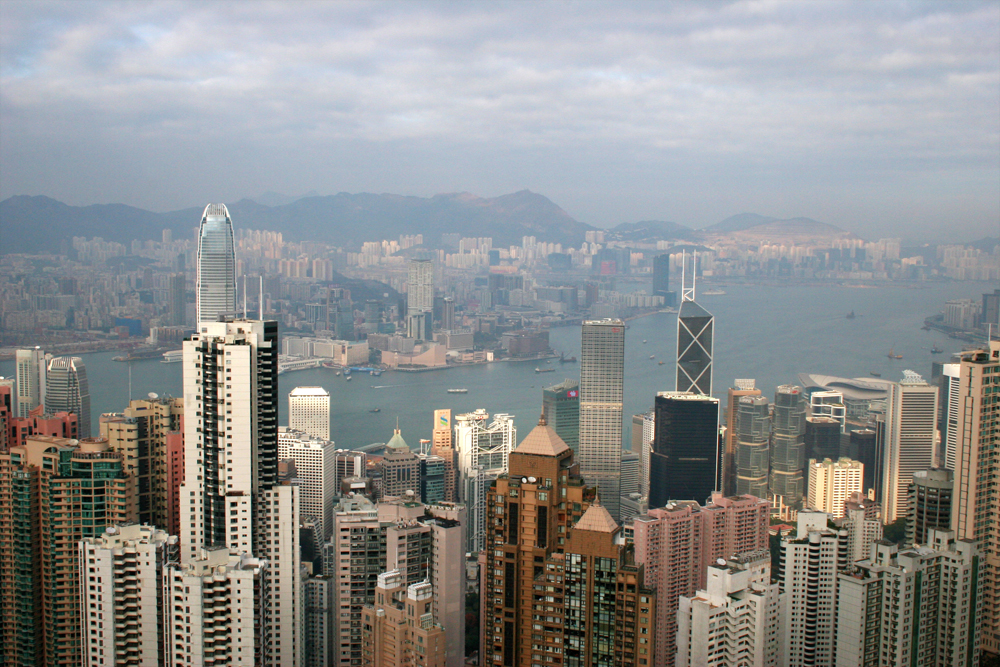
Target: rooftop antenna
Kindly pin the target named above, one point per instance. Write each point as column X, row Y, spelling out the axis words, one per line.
column 687, row 293
column 260, row 306
column 244, row 296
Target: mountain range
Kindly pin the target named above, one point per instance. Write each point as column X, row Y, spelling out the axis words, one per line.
column 30, row 223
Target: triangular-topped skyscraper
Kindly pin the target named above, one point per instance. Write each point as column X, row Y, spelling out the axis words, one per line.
column 695, row 337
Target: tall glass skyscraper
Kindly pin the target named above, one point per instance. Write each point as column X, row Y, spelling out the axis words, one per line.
column 684, row 458
column 602, row 374
column 753, row 435
column 788, row 445
column 561, row 407
column 67, row 389
column 695, row 337
column 216, row 288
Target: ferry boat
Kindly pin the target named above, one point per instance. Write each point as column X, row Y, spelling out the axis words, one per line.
column 713, row 292
column 936, row 350
column 544, row 370
column 172, row 357
column 375, row 410
column 458, row 391
column 892, row 354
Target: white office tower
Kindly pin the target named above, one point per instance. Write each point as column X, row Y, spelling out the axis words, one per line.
column 919, row 607
column 67, row 390
column 863, row 523
column 950, row 397
column 214, row 610
column 829, row 404
column 121, row 581
column 810, row 562
column 30, row 371
column 319, row 604
column 231, row 496
column 602, row 375
column 733, row 622
column 910, row 428
column 316, row 469
column 976, row 500
column 309, row 411
column 215, row 289
column 420, row 287
column 483, row 448
column 831, row 483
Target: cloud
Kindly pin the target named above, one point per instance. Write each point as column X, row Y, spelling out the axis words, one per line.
column 594, row 104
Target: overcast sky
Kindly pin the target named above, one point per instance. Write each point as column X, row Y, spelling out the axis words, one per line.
column 880, row 117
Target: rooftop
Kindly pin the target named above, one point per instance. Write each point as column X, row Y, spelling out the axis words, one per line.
column 542, row 441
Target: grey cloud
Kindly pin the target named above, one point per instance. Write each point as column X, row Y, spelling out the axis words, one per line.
column 686, row 111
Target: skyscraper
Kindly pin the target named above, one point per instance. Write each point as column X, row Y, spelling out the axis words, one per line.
column 309, row 411
column 695, row 340
column 31, row 365
column 441, row 445
column 683, row 461
column 561, row 407
column 740, row 388
column 67, row 390
column 822, row 438
column 661, row 279
column 788, row 445
column 215, row 292
column 231, row 496
column 400, row 628
column 929, row 503
column 420, row 287
column 753, row 453
column 914, row 607
column 178, row 300
column 316, row 469
column 55, row 493
column 911, row 425
column 977, row 460
column 676, row 544
column 483, row 448
column 602, row 374
column 831, row 483
column 547, row 529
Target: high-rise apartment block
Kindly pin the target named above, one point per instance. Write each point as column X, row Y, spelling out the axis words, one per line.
column 863, row 522
column 178, row 300
column 831, row 483
column 420, row 287
column 215, row 291
column 740, row 388
column 810, row 563
column 121, row 588
column 557, row 586
column 146, row 432
column 319, row 620
column 231, row 496
column 215, row 611
column 309, row 411
column 930, row 498
column 753, row 445
column 910, row 429
column 54, row 492
column 788, row 446
column 920, row 606
column 399, row 628
column 602, row 375
column 561, row 407
column 67, row 390
column 30, row 368
column 316, row 469
column 733, row 621
column 483, row 449
column 677, row 543
column 684, row 458
column 977, row 461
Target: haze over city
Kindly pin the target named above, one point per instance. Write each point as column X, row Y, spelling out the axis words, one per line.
column 880, row 118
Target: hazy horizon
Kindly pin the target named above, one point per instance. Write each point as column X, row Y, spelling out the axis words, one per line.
column 880, row 118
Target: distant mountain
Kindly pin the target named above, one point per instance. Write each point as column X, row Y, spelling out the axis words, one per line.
column 751, row 226
column 737, row 223
column 987, row 244
column 654, row 229
column 29, row 224
column 271, row 198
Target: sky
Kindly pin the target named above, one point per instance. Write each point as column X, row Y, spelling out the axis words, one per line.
column 880, row 117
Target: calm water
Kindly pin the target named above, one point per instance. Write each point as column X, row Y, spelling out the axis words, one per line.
column 770, row 333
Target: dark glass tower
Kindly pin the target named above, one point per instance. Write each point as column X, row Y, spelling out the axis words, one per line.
column 753, row 455
column 561, row 407
column 862, row 447
column 788, row 445
column 695, row 337
column 685, row 454
column 661, row 279
column 822, row 438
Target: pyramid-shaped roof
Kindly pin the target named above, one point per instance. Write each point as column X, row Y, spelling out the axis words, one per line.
column 542, row 441
column 396, row 442
column 596, row 519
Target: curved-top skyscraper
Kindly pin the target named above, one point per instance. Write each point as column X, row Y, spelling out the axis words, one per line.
column 216, row 281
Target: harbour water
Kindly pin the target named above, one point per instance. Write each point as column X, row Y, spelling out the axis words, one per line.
column 766, row 332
